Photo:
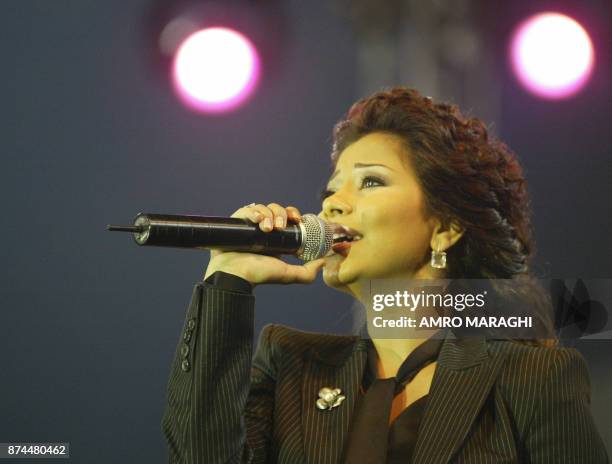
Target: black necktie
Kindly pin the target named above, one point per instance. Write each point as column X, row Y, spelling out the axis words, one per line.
column 368, row 438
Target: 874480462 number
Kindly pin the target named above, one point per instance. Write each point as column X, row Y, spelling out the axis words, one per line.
column 34, row 450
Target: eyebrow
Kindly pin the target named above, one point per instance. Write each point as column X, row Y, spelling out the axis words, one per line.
column 361, row 166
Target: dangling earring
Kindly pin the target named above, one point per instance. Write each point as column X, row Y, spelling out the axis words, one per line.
column 438, row 259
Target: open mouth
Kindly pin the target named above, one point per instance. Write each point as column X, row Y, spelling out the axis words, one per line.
column 345, row 234
column 343, row 238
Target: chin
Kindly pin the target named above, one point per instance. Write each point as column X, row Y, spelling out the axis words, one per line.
column 336, row 274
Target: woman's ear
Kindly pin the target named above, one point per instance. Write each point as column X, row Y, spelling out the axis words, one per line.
column 443, row 237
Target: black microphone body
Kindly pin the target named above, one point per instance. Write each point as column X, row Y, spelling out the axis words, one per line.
column 228, row 234
column 310, row 239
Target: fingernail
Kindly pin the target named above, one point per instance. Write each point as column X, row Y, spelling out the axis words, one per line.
column 279, row 222
column 267, row 223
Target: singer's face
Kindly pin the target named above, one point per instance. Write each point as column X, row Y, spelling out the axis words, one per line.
column 375, row 191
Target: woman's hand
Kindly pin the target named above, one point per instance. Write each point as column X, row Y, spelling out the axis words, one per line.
column 262, row 269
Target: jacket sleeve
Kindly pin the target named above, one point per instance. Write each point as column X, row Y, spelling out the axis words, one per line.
column 563, row 430
column 219, row 407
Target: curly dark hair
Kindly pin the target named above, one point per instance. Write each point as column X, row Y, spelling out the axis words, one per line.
column 468, row 178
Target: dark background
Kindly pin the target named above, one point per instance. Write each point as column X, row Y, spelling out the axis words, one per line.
column 92, row 135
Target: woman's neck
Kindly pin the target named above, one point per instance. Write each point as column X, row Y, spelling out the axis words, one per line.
column 393, row 351
column 361, row 288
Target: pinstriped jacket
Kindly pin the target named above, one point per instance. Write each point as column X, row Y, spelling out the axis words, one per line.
column 489, row 402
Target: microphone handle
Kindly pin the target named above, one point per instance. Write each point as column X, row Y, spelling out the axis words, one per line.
column 205, row 232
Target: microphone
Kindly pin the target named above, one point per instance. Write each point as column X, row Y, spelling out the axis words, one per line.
column 310, row 239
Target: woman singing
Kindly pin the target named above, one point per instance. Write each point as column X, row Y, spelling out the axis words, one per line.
column 424, row 194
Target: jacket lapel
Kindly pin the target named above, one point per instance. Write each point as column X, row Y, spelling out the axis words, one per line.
column 463, row 378
column 339, row 364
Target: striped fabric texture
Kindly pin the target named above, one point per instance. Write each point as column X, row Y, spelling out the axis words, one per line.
column 489, row 402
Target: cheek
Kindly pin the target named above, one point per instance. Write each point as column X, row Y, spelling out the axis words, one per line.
column 394, row 216
column 398, row 230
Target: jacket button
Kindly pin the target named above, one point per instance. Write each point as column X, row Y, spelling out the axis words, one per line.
column 185, row 365
column 187, row 336
column 191, row 324
column 184, row 350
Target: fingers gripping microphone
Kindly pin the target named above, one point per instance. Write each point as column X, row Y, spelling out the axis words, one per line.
column 312, row 238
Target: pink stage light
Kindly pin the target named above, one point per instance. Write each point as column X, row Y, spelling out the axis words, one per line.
column 215, row 70
column 552, row 55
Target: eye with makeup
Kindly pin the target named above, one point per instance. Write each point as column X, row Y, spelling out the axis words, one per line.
column 367, row 182
column 372, row 181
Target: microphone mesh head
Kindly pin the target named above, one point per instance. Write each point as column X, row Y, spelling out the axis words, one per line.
column 317, row 237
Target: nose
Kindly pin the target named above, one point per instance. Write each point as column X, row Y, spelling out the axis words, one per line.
column 335, row 205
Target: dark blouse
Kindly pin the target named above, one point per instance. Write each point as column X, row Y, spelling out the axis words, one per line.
column 403, row 431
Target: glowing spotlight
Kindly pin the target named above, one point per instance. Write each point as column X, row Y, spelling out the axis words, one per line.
column 552, row 55
column 215, row 70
